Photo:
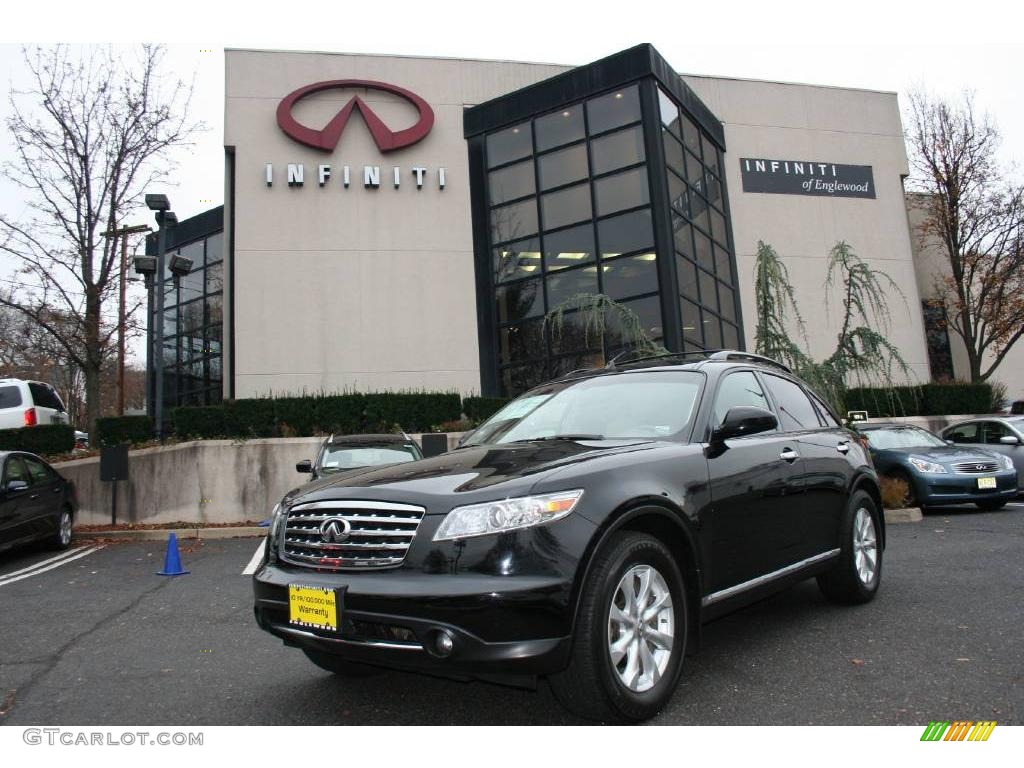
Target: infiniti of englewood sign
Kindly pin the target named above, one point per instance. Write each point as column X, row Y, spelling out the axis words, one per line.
column 326, row 139
column 802, row 177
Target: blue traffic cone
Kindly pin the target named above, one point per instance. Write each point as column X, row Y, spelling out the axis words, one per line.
column 172, row 560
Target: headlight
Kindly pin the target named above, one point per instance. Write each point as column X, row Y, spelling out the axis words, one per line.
column 506, row 515
column 923, row 465
column 1007, row 462
column 276, row 520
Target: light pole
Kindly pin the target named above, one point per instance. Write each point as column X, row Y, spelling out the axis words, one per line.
column 123, row 232
column 154, row 268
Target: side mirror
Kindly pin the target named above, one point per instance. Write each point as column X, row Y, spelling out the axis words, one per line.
column 305, row 466
column 1009, row 440
column 16, row 486
column 744, row 420
column 950, row 442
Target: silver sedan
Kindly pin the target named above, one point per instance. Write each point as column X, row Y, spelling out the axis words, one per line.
column 995, row 434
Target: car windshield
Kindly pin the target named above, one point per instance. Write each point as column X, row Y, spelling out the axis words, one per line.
column 648, row 404
column 337, row 458
column 902, row 437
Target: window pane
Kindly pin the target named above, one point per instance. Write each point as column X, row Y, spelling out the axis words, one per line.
column 647, row 311
column 673, row 153
column 559, row 128
column 710, row 154
column 669, row 112
column 519, row 300
column 687, row 277
column 699, row 212
column 702, row 250
column 621, row 191
column 691, row 136
column 508, row 145
column 567, row 283
column 795, row 410
column 562, row 167
column 569, row 247
column 215, row 310
column 682, row 236
column 519, row 378
column 574, row 335
column 613, row 110
column 566, row 206
column 735, row 390
column 511, row 182
column 518, row 259
column 617, row 150
column 678, row 194
column 694, row 172
column 708, row 294
column 712, row 332
column 513, row 221
column 713, row 189
column 191, row 285
column 630, row 275
column 727, row 302
column 192, row 317
column 730, row 336
column 215, row 248
column 625, row 234
column 521, row 342
column 723, row 265
column 215, row 278
column 717, row 226
column 692, row 329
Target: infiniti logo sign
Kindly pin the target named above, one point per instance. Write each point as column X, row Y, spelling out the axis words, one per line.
column 326, row 139
column 335, row 530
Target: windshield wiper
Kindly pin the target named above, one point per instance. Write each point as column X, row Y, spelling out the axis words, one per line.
column 559, row 437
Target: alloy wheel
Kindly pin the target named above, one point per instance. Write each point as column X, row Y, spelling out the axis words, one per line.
column 65, row 528
column 641, row 628
column 865, row 546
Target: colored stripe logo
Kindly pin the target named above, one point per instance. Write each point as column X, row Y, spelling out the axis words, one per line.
column 958, row 730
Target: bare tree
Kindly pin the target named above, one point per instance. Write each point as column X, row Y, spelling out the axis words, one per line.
column 976, row 215
column 91, row 135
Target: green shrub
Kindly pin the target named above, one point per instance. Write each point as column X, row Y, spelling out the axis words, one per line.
column 201, row 421
column 482, row 408
column 924, row 400
column 342, row 414
column 114, row 430
column 44, row 439
column 251, row 417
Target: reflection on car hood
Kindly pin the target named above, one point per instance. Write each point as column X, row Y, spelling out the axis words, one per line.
column 948, row 454
column 468, row 474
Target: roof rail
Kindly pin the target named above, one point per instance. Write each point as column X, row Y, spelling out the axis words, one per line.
column 618, row 359
column 723, row 355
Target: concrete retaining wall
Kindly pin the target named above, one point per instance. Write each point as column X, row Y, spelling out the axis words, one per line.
column 204, row 481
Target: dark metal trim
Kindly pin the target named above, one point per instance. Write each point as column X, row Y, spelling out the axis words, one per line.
column 483, row 270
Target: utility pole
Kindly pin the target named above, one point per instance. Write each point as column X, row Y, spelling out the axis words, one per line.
column 123, row 233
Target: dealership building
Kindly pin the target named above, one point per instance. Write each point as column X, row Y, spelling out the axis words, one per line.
column 404, row 223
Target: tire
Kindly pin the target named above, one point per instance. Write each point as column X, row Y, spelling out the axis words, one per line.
column 990, row 506
column 911, row 499
column 593, row 685
column 847, row 582
column 341, row 667
column 62, row 539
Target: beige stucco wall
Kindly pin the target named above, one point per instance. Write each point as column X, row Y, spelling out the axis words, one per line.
column 319, row 272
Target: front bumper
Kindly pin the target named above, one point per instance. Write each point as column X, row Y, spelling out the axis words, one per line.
column 953, row 488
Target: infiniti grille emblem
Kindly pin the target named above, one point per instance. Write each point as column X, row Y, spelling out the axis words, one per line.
column 335, row 530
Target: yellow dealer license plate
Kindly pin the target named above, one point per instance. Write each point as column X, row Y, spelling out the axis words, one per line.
column 312, row 607
column 986, row 482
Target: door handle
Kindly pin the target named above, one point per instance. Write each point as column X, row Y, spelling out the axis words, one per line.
column 843, row 447
column 34, row 496
column 788, row 454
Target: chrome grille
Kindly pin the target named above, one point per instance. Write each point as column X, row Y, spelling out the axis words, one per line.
column 367, row 534
column 975, row 467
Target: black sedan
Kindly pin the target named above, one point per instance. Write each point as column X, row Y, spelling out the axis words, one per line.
column 584, row 533
column 938, row 473
column 36, row 503
column 344, row 453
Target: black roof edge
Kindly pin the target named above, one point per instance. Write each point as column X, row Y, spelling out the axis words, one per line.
column 193, row 228
column 355, row 439
column 604, row 74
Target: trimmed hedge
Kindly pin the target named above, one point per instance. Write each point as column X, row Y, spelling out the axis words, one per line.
column 482, row 408
column 114, row 430
column 44, row 439
column 925, row 400
column 318, row 414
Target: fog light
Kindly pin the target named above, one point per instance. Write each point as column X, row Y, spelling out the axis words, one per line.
column 444, row 643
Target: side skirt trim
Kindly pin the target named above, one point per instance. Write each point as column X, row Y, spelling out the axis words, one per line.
column 759, row 581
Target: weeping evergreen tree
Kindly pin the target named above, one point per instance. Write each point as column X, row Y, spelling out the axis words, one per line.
column 863, row 354
column 596, row 311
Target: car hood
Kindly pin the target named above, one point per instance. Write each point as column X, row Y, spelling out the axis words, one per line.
column 949, row 454
column 463, row 476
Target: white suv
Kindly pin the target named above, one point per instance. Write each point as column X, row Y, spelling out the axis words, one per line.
column 28, row 403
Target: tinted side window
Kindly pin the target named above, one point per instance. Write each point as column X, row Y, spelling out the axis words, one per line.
column 795, row 410
column 965, row 433
column 10, row 397
column 736, row 389
column 992, row 431
column 15, row 470
column 823, row 412
column 37, row 470
column 44, row 396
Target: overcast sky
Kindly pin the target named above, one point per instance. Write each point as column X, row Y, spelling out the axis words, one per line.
column 895, row 46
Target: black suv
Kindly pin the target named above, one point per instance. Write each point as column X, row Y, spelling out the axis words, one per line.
column 584, row 533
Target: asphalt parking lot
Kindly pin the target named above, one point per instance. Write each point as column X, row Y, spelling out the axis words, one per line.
column 97, row 638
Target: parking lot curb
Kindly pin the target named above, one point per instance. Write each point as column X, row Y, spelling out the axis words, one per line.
column 908, row 515
column 161, row 534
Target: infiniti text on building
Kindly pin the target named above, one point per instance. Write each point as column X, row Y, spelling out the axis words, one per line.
column 802, row 177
